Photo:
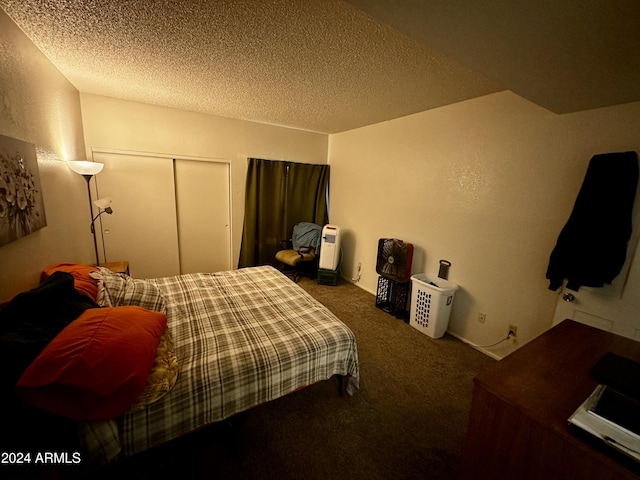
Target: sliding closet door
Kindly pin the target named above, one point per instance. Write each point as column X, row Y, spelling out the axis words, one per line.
column 202, row 198
column 142, row 228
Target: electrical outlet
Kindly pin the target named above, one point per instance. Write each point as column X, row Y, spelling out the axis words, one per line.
column 513, row 330
column 482, row 317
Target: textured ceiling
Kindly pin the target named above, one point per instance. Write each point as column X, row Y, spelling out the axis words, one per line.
column 317, row 65
column 327, row 66
column 564, row 55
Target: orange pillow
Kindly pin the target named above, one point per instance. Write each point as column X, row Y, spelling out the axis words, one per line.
column 97, row 367
column 82, row 280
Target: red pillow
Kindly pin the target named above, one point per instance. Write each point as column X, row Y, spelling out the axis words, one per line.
column 97, row 367
column 82, row 280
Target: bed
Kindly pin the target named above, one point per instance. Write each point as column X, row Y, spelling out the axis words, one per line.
column 238, row 339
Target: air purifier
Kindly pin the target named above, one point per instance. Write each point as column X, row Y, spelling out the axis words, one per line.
column 330, row 248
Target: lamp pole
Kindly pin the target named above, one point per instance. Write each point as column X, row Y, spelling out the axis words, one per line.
column 93, row 230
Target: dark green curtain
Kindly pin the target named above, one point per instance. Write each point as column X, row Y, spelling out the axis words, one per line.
column 278, row 195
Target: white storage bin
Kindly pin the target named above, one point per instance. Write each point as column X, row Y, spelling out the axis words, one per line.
column 431, row 300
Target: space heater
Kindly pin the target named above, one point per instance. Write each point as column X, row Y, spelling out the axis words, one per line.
column 330, row 248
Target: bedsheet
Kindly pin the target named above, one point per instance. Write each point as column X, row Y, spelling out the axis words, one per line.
column 242, row 338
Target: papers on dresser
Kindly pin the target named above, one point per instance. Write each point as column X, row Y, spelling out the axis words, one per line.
column 590, row 419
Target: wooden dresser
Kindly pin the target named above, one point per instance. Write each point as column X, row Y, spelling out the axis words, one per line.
column 518, row 423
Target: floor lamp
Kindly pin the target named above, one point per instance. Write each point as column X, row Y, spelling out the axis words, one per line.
column 88, row 170
column 104, row 206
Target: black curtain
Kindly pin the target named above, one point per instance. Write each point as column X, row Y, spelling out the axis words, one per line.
column 278, row 195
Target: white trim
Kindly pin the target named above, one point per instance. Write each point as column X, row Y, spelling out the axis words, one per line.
column 456, row 336
column 116, row 151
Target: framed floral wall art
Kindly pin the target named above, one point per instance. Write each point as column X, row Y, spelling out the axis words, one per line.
column 21, row 204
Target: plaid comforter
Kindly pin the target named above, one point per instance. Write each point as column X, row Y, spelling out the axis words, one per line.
column 242, row 338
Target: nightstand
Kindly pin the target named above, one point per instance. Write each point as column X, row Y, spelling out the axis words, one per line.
column 117, row 267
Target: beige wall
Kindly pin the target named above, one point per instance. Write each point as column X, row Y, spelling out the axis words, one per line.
column 38, row 105
column 131, row 126
column 486, row 184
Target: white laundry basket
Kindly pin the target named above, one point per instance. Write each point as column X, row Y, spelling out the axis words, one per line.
column 431, row 300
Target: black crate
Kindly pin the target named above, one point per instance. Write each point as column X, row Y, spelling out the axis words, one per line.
column 392, row 297
column 328, row 277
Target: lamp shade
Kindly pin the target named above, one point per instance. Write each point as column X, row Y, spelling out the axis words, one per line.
column 85, row 167
column 102, row 203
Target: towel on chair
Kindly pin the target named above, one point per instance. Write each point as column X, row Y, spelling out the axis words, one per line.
column 592, row 247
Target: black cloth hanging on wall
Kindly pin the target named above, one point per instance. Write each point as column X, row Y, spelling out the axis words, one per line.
column 592, row 247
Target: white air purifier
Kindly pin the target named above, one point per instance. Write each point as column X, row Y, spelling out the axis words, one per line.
column 330, row 248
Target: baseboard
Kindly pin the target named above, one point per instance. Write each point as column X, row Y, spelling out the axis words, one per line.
column 359, row 286
column 458, row 337
column 472, row 345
